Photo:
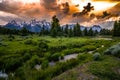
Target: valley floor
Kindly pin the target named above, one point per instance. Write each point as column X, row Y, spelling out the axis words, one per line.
column 36, row 57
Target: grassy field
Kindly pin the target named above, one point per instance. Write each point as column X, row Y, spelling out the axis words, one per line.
column 20, row 54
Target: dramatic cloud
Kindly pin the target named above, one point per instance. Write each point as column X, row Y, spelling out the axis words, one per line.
column 108, row 0
column 9, row 6
column 83, row 11
column 50, row 4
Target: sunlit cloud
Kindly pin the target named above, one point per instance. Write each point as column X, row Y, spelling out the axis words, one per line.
column 64, row 9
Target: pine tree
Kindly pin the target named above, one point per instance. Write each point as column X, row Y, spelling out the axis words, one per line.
column 115, row 29
column 77, row 31
column 66, row 30
column 85, row 32
column 118, row 28
column 55, row 28
column 24, row 31
column 42, row 32
column 90, row 33
column 70, row 32
column 96, row 32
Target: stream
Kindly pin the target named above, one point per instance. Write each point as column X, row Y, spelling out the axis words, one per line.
column 52, row 63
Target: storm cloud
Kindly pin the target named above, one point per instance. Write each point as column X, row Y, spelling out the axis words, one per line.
column 85, row 11
column 64, row 10
column 108, row 0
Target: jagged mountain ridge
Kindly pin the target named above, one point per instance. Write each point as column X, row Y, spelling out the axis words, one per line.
column 36, row 26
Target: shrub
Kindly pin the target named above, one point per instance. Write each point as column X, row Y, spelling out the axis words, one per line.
column 96, row 56
column 33, row 61
column 55, row 56
column 75, row 45
column 105, row 69
column 57, row 48
column 45, row 64
column 43, row 46
column 11, row 36
column 30, row 42
column 114, row 50
column 26, row 56
column 84, row 57
column 12, row 64
column 89, row 48
column 73, row 50
column 3, row 44
column 60, row 67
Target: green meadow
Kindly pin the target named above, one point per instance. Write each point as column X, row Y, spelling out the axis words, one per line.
column 60, row 58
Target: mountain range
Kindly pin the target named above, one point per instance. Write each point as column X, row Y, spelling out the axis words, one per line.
column 36, row 26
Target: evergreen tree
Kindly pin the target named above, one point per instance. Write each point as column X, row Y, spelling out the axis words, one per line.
column 105, row 32
column 85, row 32
column 74, row 30
column 55, row 27
column 116, row 28
column 66, row 30
column 24, row 31
column 96, row 32
column 77, row 31
column 42, row 32
column 70, row 32
column 91, row 33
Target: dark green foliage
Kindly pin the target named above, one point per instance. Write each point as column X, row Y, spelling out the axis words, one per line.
column 3, row 44
column 42, row 46
column 56, row 48
column 24, row 31
column 66, row 31
column 96, row 32
column 70, row 32
column 11, row 36
column 116, row 28
column 55, row 56
column 105, row 32
column 23, row 61
column 26, row 56
column 77, row 31
column 12, row 64
column 71, row 51
column 85, row 32
column 90, row 32
column 83, row 57
column 44, row 31
column 33, row 61
column 30, row 42
column 105, row 69
column 45, row 64
column 50, row 72
column 96, row 56
column 89, row 48
column 8, row 31
column 55, row 28
column 114, row 50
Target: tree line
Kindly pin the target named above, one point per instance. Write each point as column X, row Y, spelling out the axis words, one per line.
column 56, row 30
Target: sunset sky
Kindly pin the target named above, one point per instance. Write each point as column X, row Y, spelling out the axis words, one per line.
column 68, row 11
